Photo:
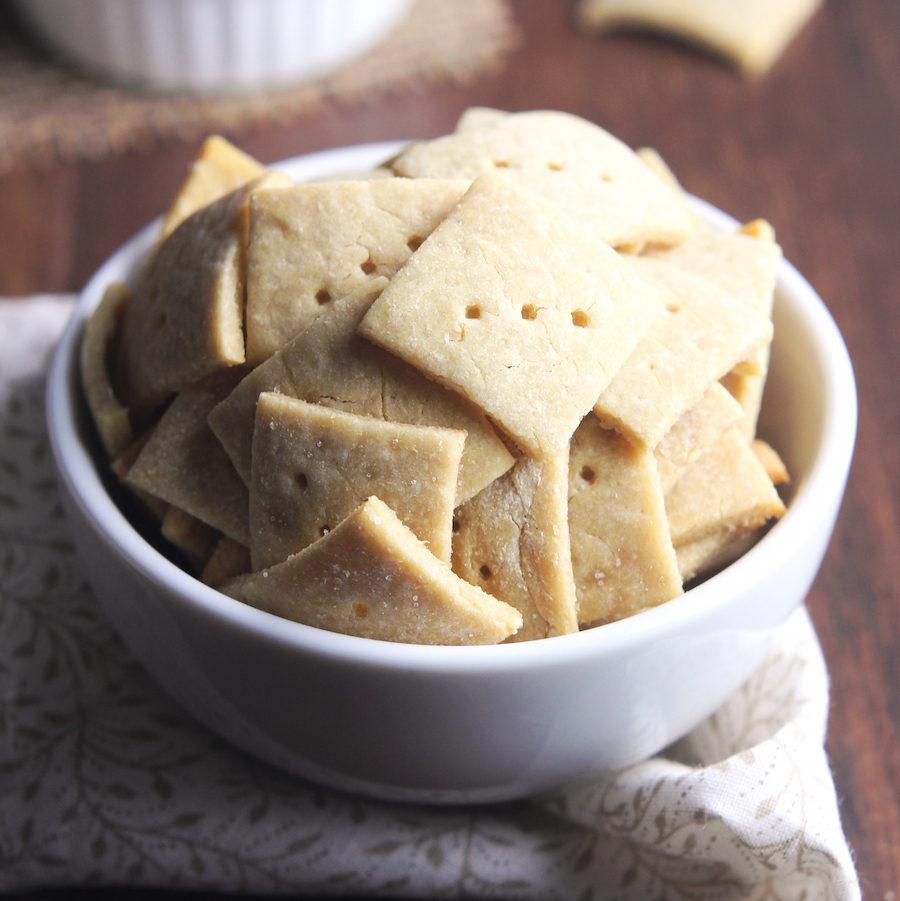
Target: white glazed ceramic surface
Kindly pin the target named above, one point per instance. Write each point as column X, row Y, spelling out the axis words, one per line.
column 448, row 724
column 210, row 46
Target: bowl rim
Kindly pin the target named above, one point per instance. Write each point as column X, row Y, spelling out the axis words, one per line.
column 825, row 479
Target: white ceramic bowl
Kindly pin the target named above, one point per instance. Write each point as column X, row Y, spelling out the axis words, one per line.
column 450, row 724
column 211, row 46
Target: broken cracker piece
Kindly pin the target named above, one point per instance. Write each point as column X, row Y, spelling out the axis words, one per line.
column 752, row 33
column 771, row 462
column 310, row 244
column 313, row 466
column 529, row 314
column 229, row 560
column 183, row 464
column 696, row 431
column 714, row 552
column 371, row 577
column 186, row 319
column 194, row 539
column 109, row 415
column 701, row 333
column 622, row 554
column 726, row 491
column 330, row 364
column 571, row 162
column 219, row 169
column 512, row 539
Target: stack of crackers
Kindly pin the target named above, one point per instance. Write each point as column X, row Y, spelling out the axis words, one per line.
column 503, row 387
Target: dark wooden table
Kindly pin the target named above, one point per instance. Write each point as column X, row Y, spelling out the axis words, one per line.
column 814, row 147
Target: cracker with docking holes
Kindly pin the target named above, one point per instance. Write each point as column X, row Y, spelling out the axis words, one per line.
column 752, row 33
column 186, row 319
column 701, row 333
column 183, row 464
column 371, row 577
column 530, row 315
column 512, row 539
column 219, row 169
column 622, row 553
column 97, row 346
column 310, row 244
column 330, row 364
column 573, row 163
column 313, row 466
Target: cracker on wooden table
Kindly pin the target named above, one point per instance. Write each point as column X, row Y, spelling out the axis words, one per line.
column 701, row 333
column 194, row 539
column 752, row 33
column 219, row 169
column 744, row 263
column 313, row 466
column 186, row 319
column 696, row 431
column 330, row 364
column 310, row 244
column 183, row 464
column 228, row 560
column 622, row 554
column 519, row 309
column 573, row 163
column 371, row 577
column 771, row 462
column 109, row 415
column 512, row 539
column 726, row 491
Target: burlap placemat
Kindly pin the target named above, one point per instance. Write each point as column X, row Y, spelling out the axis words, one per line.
column 49, row 112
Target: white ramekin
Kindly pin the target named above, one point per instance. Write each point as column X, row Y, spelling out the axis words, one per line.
column 211, row 46
column 461, row 724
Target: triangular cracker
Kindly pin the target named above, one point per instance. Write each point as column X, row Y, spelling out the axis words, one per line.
column 330, row 364
column 110, row 416
column 753, row 33
column 219, row 169
column 725, row 491
column 310, row 244
column 701, row 334
column 696, row 431
column 512, row 539
column 313, row 466
column 186, row 319
column 771, row 462
column 622, row 555
column 371, row 577
column 571, row 162
column 716, row 551
column 229, row 559
column 519, row 309
column 194, row 539
column 183, row 463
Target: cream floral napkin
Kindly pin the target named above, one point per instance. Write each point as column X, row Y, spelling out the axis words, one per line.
column 104, row 780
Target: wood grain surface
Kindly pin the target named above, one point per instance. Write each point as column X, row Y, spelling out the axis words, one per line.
column 814, row 147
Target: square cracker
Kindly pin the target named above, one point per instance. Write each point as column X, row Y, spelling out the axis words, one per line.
column 726, row 491
column 753, row 33
column 744, row 263
column 701, row 333
column 219, row 169
column 186, row 319
column 110, row 416
column 622, row 554
column 183, row 464
column 371, row 577
column 311, row 243
column 313, row 466
column 330, row 364
column 697, row 430
column 519, row 309
column 571, row 162
column 513, row 540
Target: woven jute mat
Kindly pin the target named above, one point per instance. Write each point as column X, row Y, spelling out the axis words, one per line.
column 50, row 112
